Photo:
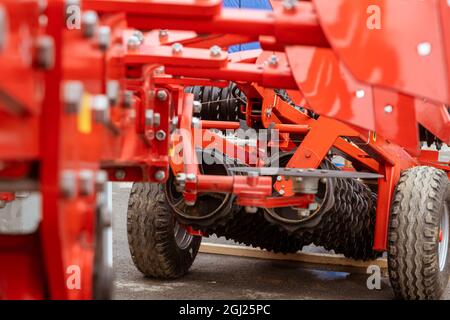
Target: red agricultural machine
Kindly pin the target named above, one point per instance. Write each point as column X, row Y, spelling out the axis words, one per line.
column 241, row 145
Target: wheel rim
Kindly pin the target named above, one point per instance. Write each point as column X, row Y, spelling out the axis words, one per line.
column 443, row 238
column 207, row 204
column 182, row 237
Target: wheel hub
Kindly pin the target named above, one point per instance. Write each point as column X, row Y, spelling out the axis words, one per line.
column 443, row 238
column 182, row 237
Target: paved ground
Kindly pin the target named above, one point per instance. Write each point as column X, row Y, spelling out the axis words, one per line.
column 222, row 277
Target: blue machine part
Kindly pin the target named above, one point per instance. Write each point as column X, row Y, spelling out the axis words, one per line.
column 252, row 4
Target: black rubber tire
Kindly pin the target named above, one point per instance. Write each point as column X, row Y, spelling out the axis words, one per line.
column 151, row 238
column 413, row 259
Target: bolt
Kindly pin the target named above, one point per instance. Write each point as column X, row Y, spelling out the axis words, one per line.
column 273, row 61
column 3, row 27
column 160, row 135
column 45, row 52
column 251, row 209
column 181, row 177
column 73, row 93
column 100, row 105
column 324, row 180
column 281, row 192
column 289, row 5
column 112, row 91
column 268, row 113
column 424, row 49
column 305, row 213
column 86, row 182
column 177, row 48
column 120, row 174
column 360, row 93
column 162, row 95
column 68, row 183
column 163, row 34
column 104, row 37
column 89, row 23
column 138, row 34
column 133, row 43
column 160, row 175
column 279, row 178
column 196, row 123
column 215, row 51
column 197, row 107
column 388, row 109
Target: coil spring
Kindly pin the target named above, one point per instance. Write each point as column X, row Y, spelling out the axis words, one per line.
column 222, row 104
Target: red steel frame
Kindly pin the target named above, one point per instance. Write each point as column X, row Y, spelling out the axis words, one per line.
column 41, row 133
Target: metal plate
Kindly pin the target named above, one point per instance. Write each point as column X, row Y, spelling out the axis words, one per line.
column 396, row 53
column 312, row 173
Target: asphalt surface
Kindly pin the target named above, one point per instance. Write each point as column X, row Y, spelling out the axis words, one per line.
column 226, row 277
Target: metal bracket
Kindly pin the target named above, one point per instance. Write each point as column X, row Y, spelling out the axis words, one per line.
column 308, row 173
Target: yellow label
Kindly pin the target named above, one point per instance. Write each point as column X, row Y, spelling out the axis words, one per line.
column 85, row 115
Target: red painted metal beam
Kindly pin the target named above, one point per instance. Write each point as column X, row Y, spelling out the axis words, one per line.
column 265, row 76
column 50, row 143
column 178, row 8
